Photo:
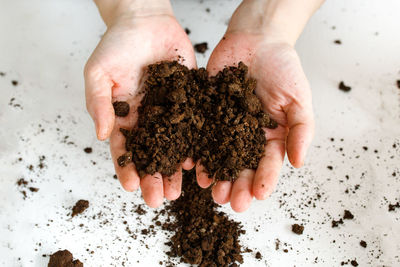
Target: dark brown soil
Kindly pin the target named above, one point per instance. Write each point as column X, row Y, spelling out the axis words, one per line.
column 297, row 229
column 348, row 215
column 398, row 84
column 187, row 30
column 80, row 207
column 201, row 47
column 258, row 255
column 393, row 207
column 344, row 87
column 363, row 243
column 88, row 150
column 63, row 258
column 200, row 233
column 339, row 42
column 354, row 263
column 184, row 113
column 121, row 108
column 14, row 82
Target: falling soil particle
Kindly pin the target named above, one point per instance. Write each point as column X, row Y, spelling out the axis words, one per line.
column 201, row 47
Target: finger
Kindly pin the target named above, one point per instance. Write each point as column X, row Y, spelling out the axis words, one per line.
column 127, row 175
column 172, row 185
column 152, row 189
column 98, row 101
column 267, row 173
column 221, row 192
column 241, row 195
column 188, row 164
column 301, row 132
column 202, row 176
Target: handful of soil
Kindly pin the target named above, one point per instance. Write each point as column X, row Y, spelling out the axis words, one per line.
column 184, row 113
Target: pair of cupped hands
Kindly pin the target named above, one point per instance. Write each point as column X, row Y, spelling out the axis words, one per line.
column 115, row 72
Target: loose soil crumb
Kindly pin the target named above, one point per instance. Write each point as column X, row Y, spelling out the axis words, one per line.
column 88, row 150
column 348, row 215
column 339, row 42
column 63, row 258
column 201, row 47
column 363, row 243
column 121, row 108
column 187, row 30
column 336, row 223
column 258, row 255
column 297, row 229
column 392, row 207
column 14, row 82
column 354, row 263
column 200, row 233
column 217, row 120
column 80, row 207
column 344, row 87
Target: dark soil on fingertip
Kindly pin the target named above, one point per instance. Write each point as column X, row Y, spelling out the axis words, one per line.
column 187, row 114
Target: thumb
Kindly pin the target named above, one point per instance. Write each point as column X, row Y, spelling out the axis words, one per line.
column 98, row 101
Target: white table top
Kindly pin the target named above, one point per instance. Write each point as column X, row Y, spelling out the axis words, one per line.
column 44, row 45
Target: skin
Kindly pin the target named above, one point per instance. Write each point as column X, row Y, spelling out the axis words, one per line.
column 261, row 33
column 115, row 72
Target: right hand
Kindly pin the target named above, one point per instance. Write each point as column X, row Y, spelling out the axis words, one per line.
column 114, row 72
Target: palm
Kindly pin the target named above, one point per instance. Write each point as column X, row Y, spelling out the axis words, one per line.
column 284, row 92
column 115, row 70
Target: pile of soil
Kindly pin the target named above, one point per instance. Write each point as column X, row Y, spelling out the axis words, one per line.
column 63, row 258
column 200, row 233
column 217, row 120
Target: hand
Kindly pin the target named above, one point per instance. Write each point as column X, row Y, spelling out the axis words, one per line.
column 114, row 72
column 284, row 93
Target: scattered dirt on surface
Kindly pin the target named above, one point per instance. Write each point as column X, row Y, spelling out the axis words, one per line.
column 121, row 108
column 393, row 207
column 201, row 47
column 363, row 243
column 88, row 150
column 23, row 187
column 80, row 207
column 63, row 258
column 339, row 42
column 200, row 233
column 217, row 120
column 348, row 215
column 344, row 87
column 297, row 229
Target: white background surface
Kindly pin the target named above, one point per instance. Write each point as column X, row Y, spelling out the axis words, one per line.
column 44, row 45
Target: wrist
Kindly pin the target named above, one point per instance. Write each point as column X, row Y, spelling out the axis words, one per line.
column 115, row 11
column 273, row 20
